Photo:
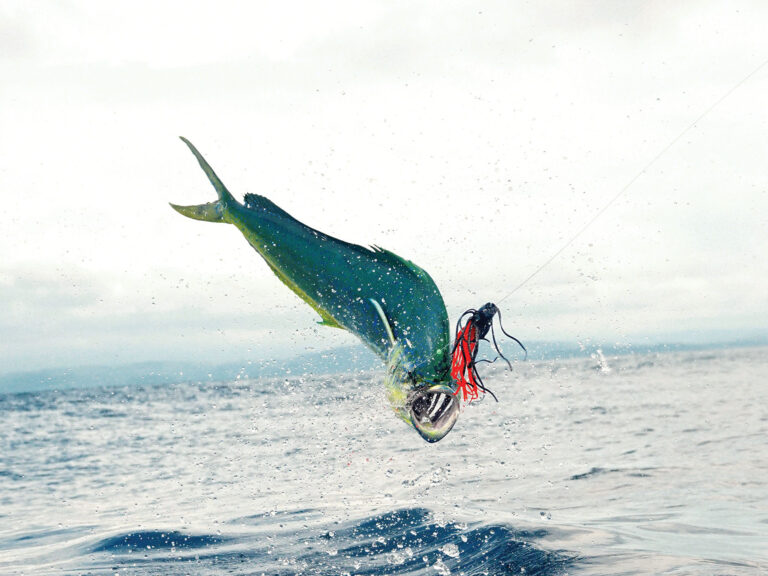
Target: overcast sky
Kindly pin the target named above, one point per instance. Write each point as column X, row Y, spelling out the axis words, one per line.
column 474, row 138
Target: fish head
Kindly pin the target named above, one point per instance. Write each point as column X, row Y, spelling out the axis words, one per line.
column 430, row 408
column 433, row 410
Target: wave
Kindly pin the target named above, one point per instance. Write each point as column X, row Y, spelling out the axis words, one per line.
column 401, row 542
column 155, row 540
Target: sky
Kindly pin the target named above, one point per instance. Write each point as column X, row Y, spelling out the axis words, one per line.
column 473, row 138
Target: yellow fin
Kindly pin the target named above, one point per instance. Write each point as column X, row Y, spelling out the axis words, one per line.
column 326, row 318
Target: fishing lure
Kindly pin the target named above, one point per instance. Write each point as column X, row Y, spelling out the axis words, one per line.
column 390, row 303
column 469, row 332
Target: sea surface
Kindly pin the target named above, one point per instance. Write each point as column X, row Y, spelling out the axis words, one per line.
column 632, row 464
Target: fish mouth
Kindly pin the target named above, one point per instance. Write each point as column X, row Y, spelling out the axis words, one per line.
column 433, row 411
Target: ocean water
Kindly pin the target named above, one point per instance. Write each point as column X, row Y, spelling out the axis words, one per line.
column 636, row 464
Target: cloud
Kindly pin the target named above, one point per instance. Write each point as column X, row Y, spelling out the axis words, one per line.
column 80, row 317
column 475, row 140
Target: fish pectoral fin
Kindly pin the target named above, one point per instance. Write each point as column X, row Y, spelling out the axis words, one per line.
column 384, row 320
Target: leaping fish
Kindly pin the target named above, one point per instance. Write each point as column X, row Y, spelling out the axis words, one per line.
column 388, row 302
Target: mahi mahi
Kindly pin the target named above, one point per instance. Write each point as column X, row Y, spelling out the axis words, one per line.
column 390, row 303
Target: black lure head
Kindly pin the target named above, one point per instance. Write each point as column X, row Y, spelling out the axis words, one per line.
column 483, row 319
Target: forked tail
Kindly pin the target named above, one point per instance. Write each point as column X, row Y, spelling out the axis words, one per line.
column 212, row 211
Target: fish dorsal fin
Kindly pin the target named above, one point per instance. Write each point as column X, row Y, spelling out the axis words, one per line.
column 397, row 260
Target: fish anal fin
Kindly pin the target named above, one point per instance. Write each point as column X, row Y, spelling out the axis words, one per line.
column 326, row 318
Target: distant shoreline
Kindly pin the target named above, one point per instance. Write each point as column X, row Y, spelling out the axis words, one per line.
column 334, row 361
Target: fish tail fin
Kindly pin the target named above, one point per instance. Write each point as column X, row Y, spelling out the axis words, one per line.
column 213, row 211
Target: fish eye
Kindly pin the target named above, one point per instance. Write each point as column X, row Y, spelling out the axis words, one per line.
column 434, row 412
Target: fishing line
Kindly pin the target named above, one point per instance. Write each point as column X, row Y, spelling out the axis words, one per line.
column 626, row 187
column 634, row 179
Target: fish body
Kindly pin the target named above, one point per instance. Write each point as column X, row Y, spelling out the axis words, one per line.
column 390, row 303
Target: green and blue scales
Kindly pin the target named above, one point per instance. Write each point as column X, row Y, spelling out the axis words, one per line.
column 390, row 303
